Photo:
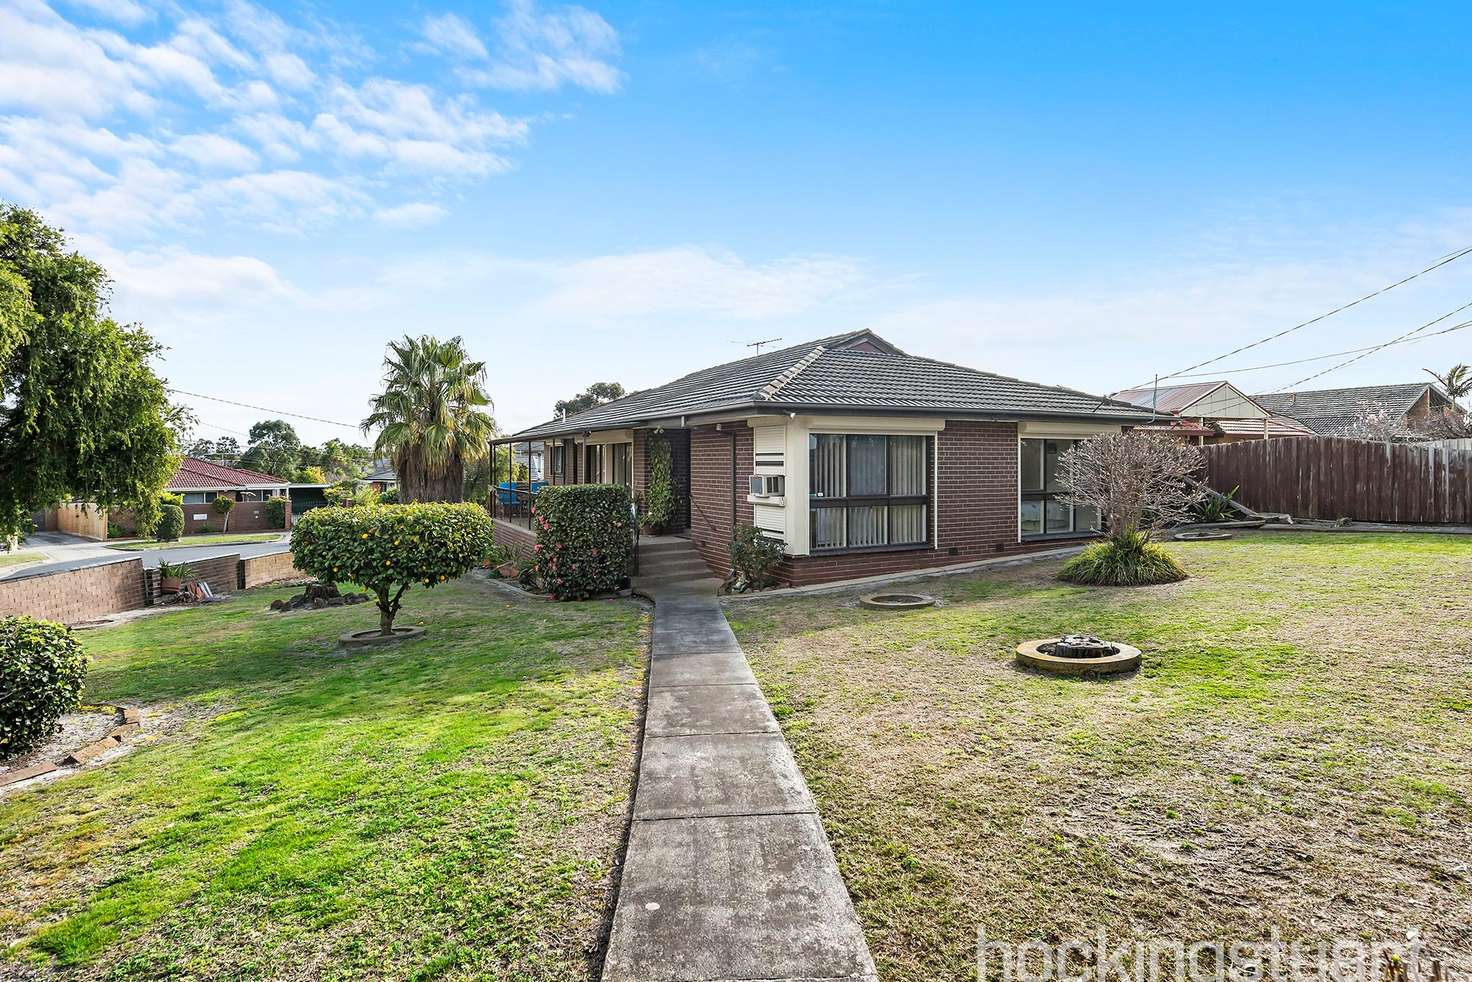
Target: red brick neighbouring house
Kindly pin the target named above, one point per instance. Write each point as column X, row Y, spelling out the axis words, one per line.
column 199, row 483
column 859, row 458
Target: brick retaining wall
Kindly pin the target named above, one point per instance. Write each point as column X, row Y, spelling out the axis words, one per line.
column 518, row 540
column 256, row 570
column 76, row 595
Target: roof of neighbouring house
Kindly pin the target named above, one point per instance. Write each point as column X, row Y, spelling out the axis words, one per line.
column 194, row 474
column 858, row 371
column 382, row 471
column 1331, row 411
column 1169, row 398
column 1275, row 426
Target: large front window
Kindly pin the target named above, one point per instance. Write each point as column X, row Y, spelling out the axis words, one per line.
column 1044, row 511
column 868, row 492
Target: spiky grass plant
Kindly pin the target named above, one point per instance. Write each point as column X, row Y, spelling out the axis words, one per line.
column 1125, row 560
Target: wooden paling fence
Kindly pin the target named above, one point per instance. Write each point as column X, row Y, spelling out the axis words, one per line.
column 1331, row 478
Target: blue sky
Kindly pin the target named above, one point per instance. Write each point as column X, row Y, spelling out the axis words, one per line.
column 628, row 191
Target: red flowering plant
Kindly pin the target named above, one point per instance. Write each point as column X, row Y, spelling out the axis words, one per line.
column 585, row 539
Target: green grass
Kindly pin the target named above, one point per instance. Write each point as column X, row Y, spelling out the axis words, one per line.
column 1295, row 752
column 17, row 558
column 444, row 808
column 202, row 539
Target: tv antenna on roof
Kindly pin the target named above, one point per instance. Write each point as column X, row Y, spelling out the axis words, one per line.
column 758, row 344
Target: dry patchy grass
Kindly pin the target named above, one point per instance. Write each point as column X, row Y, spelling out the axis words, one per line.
column 1296, row 752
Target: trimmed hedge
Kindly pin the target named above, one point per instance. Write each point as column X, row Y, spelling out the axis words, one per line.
column 170, row 523
column 275, row 512
column 41, row 672
column 388, row 548
column 585, row 539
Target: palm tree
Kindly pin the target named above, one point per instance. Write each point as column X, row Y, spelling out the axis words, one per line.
column 1457, row 381
column 428, row 416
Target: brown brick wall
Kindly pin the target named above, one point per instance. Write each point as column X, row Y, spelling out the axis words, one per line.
column 256, row 570
column 518, row 540
column 712, row 488
column 246, row 516
column 76, row 595
column 975, row 510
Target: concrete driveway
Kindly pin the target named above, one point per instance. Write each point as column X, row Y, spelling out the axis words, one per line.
column 65, row 552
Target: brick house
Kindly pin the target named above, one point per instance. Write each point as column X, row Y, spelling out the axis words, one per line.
column 199, row 483
column 859, row 458
column 1211, row 412
column 1415, row 406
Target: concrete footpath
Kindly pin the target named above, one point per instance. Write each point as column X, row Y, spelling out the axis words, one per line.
column 728, row 873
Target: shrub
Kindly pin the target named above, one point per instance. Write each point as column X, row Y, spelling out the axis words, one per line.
column 41, row 671
column 115, row 531
column 585, row 538
column 1128, row 560
column 170, row 523
column 388, row 548
column 388, row 496
column 659, row 498
column 222, row 506
column 276, row 512
column 754, row 559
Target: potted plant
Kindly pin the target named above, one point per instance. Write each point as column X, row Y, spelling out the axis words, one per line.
column 171, row 576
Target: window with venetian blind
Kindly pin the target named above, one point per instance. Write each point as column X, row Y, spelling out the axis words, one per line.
column 868, row 492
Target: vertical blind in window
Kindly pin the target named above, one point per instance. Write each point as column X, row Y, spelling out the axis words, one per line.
column 868, row 491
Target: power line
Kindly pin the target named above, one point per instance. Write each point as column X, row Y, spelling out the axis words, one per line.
column 264, row 409
column 1444, row 260
column 1351, row 361
column 1332, row 354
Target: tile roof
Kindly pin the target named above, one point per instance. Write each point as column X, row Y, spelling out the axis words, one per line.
column 194, row 474
column 854, row 371
column 1276, row 426
column 1169, row 398
column 1332, row 411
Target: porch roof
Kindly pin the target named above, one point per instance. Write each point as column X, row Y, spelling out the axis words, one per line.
column 848, row 372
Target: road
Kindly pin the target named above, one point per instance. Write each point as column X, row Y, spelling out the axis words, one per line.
column 65, row 552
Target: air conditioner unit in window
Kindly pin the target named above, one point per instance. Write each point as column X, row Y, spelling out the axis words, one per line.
column 767, row 485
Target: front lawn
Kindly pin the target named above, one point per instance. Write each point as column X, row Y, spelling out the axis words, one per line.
column 202, row 539
column 20, row 558
column 442, row 808
column 1296, row 752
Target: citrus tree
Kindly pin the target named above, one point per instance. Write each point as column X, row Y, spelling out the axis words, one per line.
column 386, row 549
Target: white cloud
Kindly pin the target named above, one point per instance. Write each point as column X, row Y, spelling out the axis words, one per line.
column 289, row 70
column 415, row 214
column 215, row 152
column 546, row 50
column 453, row 36
column 119, row 11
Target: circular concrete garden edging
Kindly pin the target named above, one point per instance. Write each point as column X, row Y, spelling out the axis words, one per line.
column 364, row 639
column 896, row 601
column 1124, row 659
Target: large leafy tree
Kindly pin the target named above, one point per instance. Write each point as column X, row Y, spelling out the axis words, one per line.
column 274, row 449
column 594, row 395
column 82, row 414
column 429, row 416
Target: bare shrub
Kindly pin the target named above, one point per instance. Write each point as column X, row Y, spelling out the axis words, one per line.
column 1139, row 482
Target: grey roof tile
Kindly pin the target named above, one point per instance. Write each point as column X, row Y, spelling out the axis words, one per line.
column 1332, row 411
column 839, row 376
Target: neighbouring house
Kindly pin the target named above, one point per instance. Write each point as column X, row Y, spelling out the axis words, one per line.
column 859, row 458
column 1211, row 412
column 304, row 497
column 1335, row 412
column 199, row 483
column 382, row 476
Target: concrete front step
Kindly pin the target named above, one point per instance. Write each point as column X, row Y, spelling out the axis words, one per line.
column 652, row 546
column 701, row 581
column 665, row 566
